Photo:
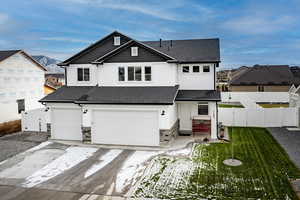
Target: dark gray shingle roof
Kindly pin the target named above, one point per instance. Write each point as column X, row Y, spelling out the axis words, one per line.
column 198, row 95
column 264, row 75
column 114, row 95
column 194, row 50
column 6, row 54
column 67, row 94
column 191, row 50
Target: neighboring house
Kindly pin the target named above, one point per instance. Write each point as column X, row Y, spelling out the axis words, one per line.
column 55, row 79
column 21, row 84
column 137, row 93
column 48, row 88
column 262, row 78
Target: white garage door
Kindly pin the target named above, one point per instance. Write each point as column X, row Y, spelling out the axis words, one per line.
column 66, row 124
column 125, row 127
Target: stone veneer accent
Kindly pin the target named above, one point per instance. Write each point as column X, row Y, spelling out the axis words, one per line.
column 86, row 134
column 166, row 135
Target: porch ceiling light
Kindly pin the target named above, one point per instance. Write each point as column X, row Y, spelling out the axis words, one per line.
column 163, row 113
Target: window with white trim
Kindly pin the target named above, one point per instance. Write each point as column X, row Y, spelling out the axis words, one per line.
column 134, row 74
column 117, row 40
column 196, row 69
column 121, row 74
column 148, row 76
column 185, row 69
column 206, row 68
column 134, row 51
column 203, row 109
column 83, row 74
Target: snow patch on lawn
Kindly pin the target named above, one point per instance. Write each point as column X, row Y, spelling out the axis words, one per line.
column 72, row 157
column 133, row 168
column 104, row 160
column 180, row 152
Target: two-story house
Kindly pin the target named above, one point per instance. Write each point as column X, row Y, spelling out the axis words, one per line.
column 21, row 84
column 128, row 92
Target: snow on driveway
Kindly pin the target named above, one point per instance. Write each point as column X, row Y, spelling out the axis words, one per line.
column 72, row 157
column 31, row 163
column 133, row 168
column 35, row 148
column 103, row 161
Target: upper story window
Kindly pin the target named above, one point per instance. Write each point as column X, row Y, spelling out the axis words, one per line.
column 134, row 51
column 134, row 73
column 185, row 69
column 117, row 40
column 83, row 74
column 121, row 74
column 196, row 69
column 148, row 76
column 206, row 68
column 203, row 109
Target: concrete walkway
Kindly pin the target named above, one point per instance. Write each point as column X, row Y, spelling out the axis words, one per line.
column 290, row 141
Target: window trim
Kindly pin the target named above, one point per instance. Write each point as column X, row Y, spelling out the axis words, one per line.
column 134, row 74
column 147, row 74
column 203, row 104
column 183, row 67
column 117, row 40
column 204, row 68
column 134, row 51
column 83, row 74
column 197, row 67
column 119, row 68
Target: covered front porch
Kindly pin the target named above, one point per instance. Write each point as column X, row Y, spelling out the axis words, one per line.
column 198, row 112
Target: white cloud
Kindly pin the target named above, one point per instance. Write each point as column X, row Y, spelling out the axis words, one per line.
column 259, row 24
column 162, row 10
column 66, row 39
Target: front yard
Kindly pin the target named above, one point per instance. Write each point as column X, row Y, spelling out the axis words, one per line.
column 264, row 174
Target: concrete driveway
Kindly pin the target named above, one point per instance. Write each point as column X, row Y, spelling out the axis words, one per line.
column 59, row 171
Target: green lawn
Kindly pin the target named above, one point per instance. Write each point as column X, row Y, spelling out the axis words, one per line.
column 264, row 174
column 230, row 106
column 273, row 105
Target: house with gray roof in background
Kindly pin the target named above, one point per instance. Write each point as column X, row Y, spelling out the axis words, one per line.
column 126, row 92
column 263, row 78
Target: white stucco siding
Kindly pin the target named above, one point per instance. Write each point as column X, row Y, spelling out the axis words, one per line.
column 163, row 74
column 196, row 80
column 20, row 78
column 72, row 75
column 188, row 110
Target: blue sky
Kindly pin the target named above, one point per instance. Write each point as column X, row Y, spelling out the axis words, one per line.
column 251, row 32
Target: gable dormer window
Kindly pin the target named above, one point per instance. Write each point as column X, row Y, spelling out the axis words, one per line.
column 83, row 74
column 117, row 41
column 134, row 51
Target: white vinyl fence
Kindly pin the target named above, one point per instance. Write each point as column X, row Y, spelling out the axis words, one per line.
column 255, row 96
column 35, row 120
column 265, row 117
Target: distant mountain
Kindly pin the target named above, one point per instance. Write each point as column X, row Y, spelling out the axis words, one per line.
column 49, row 63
